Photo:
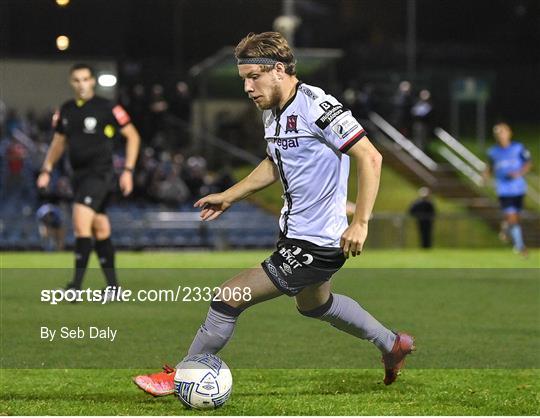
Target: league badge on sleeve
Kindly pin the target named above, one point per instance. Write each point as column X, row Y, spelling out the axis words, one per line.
column 345, row 126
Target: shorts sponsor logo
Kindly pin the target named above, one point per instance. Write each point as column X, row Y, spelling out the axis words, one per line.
column 87, row 200
column 90, row 125
column 294, row 257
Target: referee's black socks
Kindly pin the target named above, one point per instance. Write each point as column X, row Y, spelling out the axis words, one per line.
column 105, row 253
column 83, row 247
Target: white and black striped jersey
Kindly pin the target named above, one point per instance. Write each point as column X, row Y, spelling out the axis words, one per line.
column 307, row 140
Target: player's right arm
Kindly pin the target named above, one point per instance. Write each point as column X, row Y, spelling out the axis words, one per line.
column 262, row 176
column 56, row 149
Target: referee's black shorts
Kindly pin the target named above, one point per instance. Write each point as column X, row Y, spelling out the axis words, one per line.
column 297, row 264
column 93, row 190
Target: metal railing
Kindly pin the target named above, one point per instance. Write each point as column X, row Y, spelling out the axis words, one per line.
column 461, row 166
column 405, row 143
column 460, row 149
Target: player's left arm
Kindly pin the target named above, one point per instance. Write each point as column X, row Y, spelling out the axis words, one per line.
column 129, row 132
column 368, row 163
column 337, row 126
column 133, row 141
column 525, row 156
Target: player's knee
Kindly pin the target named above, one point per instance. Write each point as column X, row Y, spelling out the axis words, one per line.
column 101, row 228
column 227, row 308
column 512, row 218
column 82, row 230
column 101, row 234
column 319, row 311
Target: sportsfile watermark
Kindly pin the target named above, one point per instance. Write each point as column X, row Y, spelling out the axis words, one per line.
column 113, row 294
column 460, row 318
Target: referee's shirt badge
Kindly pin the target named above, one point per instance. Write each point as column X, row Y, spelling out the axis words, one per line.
column 90, row 125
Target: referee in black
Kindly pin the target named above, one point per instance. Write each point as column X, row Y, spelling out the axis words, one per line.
column 87, row 126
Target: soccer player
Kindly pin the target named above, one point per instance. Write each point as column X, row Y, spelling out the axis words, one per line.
column 310, row 137
column 509, row 161
column 87, row 126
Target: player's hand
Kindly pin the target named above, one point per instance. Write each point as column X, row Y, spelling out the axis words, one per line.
column 43, row 180
column 212, row 206
column 352, row 240
column 515, row 174
column 126, row 182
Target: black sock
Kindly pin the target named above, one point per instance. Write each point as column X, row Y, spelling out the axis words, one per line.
column 105, row 253
column 83, row 248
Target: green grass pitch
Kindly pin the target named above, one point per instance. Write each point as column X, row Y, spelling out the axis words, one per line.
column 475, row 315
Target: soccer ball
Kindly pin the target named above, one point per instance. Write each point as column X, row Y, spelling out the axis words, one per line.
column 203, row 381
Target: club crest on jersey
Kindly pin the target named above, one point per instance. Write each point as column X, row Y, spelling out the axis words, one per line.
column 90, row 125
column 291, row 124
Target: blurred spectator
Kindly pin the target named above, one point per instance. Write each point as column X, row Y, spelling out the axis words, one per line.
column 29, row 124
column 194, row 174
column 181, row 102
column 218, row 182
column 171, row 189
column 401, row 105
column 359, row 101
column 157, row 108
column 137, row 107
column 423, row 210
column 144, row 173
column 13, row 121
column 3, row 118
column 422, row 115
column 51, row 227
column 17, row 173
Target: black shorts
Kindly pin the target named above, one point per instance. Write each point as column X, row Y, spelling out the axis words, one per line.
column 511, row 204
column 297, row 264
column 93, row 190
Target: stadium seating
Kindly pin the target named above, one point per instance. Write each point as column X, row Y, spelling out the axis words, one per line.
column 140, row 226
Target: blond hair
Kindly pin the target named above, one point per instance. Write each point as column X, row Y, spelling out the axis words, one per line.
column 267, row 45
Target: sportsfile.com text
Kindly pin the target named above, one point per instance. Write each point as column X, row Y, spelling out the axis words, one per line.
column 180, row 294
